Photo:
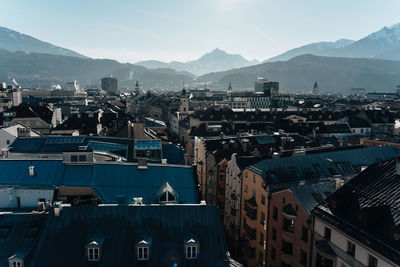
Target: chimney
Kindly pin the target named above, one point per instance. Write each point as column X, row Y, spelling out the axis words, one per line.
column 31, row 169
column 142, row 164
column 338, row 181
column 23, row 132
column 57, row 210
column 138, row 201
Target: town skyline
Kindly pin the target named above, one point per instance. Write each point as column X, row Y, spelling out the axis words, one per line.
column 158, row 30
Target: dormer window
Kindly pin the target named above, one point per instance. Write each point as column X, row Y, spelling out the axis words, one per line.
column 16, row 260
column 94, row 251
column 16, row 263
column 143, row 250
column 167, row 194
column 192, row 246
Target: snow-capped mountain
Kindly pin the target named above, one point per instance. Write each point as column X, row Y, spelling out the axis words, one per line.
column 313, row 48
column 383, row 44
column 216, row 60
column 14, row 41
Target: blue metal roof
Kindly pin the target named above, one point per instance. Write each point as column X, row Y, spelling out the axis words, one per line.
column 120, row 146
column 16, row 172
column 109, row 181
column 142, row 183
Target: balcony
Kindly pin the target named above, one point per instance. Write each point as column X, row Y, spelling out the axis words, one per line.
column 251, row 208
column 250, row 232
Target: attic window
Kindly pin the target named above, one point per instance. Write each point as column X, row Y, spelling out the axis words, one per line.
column 93, row 251
column 16, row 262
column 192, row 249
column 167, row 194
column 143, row 250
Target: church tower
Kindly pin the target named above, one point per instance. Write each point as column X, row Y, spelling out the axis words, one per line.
column 137, row 88
column 184, row 107
column 316, row 88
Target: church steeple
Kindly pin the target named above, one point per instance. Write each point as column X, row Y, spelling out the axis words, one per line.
column 316, row 89
column 137, row 88
column 230, row 87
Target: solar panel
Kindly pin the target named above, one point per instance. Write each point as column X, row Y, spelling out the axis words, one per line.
column 65, row 140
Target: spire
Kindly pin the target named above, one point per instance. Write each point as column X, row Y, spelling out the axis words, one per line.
column 137, row 88
column 315, row 88
column 230, row 87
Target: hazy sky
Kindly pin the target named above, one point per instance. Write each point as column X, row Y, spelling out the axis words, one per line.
column 132, row 30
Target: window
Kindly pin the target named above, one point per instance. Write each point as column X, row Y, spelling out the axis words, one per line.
column 323, row 262
column 8, row 142
column 304, row 234
column 275, row 213
column 260, row 257
column 245, row 188
column 372, row 261
column 143, row 253
column 166, row 194
column 287, row 247
column 82, row 157
column 191, row 252
column 191, row 249
column 17, row 263
column 288, row 225
column 263, row 199
column 303, row 257
column 261, row 238
column 93, row 253
column 74, row 158
column 273, row 234
column 283, row 200
column 327, row 234
column 262, row 218
column 254, row 178
column 351, row 248
column 273, row 253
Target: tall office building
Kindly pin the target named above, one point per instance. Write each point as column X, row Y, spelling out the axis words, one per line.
column 109, row 84
column 269, row 88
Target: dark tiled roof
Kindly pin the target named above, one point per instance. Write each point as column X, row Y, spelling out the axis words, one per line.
column 17, row 236
column 281, row 171
column 311, row 195
column 368, row 208
column 122, row 227
column 335, row 128
column 25, row 111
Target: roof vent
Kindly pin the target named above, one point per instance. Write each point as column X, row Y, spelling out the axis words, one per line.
column 164, row 161
column 203, row 203
column 138, row 201
column 57, row 209
column 31, row 169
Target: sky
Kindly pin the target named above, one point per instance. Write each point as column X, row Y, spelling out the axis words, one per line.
column 166, row 30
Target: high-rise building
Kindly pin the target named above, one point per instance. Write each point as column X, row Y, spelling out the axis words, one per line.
column 269, row 88
column 109, row 84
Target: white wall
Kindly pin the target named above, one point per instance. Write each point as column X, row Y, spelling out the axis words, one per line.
column 340, row 239
column 29, row 197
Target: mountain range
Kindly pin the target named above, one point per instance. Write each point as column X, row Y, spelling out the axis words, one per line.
column 299, row 74
column 14, row 41
column 383, row 44
column 44, row 70
column 336, row 65
column 216, row 60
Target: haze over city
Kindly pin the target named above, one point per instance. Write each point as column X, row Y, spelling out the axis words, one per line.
column 130, row 31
